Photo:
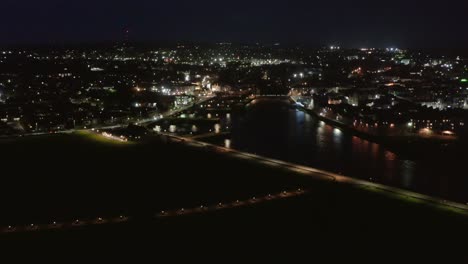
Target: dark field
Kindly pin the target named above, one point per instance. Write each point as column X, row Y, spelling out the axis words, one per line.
column 66, row 177
column 78, row 176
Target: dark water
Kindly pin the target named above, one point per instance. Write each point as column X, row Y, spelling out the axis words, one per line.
column 275, row 129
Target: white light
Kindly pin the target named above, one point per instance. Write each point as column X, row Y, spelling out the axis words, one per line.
column 172, row 128
column 217, row 128
column 227, row 143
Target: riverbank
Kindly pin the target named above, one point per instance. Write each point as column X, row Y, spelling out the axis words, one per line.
column 328, row 176
column 276, row 129
column 138, row 181
column 406, row 146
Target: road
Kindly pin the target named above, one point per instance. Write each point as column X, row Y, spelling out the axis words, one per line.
column 173, row 112
column 42, row 133
column 139, row 122
column 99, row 220
column 322, row 175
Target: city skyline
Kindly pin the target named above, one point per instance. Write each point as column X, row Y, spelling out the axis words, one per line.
column 181, row 124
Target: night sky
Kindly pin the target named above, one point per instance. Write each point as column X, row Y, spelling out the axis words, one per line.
column 348, row 23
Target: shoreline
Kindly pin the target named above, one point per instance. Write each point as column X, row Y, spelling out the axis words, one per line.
column 322, row 175
column 406, row 147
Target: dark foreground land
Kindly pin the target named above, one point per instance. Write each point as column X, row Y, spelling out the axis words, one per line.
column 81, row 176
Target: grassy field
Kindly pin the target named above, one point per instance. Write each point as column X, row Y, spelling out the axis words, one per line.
column 63, row 177
column 89, row 136
column 86, row 174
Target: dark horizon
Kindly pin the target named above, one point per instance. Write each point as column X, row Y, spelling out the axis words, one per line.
column 356, row 25
column 452, row 52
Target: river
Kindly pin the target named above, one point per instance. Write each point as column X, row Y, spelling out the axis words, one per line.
column 273, row 128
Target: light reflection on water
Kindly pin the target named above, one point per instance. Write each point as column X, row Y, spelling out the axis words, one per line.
column 273, row 130
column 407, row 172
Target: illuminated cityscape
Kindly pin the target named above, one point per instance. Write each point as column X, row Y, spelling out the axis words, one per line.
column 230, row 130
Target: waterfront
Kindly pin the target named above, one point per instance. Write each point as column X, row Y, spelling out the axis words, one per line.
column 274, row 128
